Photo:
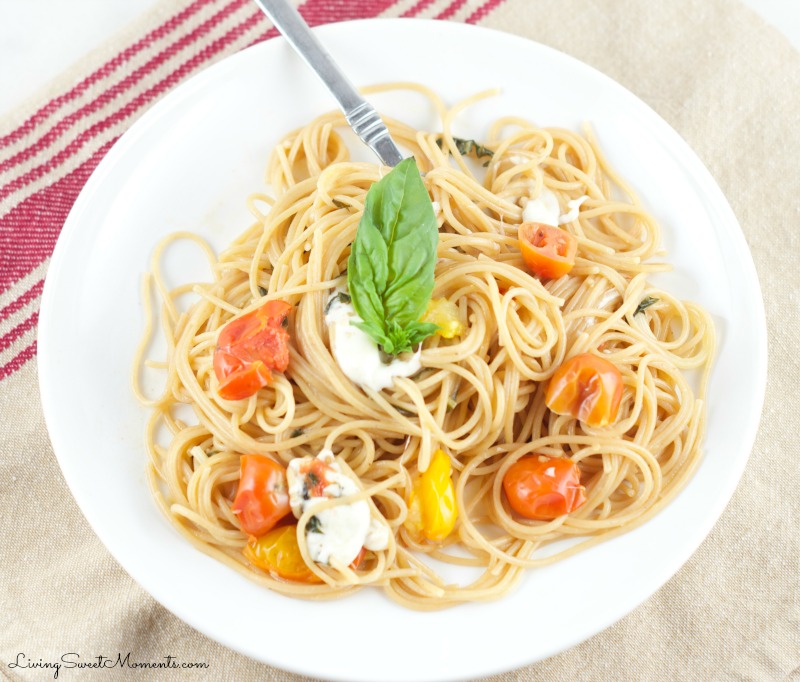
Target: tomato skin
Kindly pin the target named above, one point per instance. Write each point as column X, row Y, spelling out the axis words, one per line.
column 359, row 559
column 548, row 251
column 248, row 347
column 262, row 498
column 278, row 553
column 586, row 387
column 543, row 488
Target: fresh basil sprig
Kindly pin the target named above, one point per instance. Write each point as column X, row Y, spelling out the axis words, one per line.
column 390, row 270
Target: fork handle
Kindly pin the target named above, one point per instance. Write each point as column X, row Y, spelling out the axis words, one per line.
column 360, row 114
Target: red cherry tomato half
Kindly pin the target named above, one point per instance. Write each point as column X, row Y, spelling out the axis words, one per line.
column 586, row 387
column 548, row 251
column 249, row 347
column 262, row 498
column 543, row 488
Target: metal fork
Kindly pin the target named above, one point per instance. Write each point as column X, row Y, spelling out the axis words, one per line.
column 360, row 114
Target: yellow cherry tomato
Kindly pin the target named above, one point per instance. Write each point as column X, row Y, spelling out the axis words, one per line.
column 447, row 315
column 432, row 509
column 278, row 553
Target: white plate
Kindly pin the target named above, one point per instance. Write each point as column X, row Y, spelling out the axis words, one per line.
column 189, row 164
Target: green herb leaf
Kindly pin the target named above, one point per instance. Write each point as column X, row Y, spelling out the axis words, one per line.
column 262, row 291
column 390, row 271
column 339, row 204
column 313, row 525
column 297, row 432
column 469, row 147
column 645, row 303
column 452, row 399
column 341, row 297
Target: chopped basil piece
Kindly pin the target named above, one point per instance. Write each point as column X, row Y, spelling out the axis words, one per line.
column 297, row 432
column 262, row 291
column 312, row 478
column 646, row 303
column 341, row 297
column 339, row 204
column 469, row 148
column 452, row 399
column 313, row 525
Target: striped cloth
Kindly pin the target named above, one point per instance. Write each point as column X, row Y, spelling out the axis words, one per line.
column 725, row 81
column 47, row 158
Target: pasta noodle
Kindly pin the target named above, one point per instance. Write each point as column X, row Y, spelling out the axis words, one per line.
column 479, row 397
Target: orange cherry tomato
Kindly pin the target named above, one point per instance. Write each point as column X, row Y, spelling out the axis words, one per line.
column 278, row 554
column 262, row 498
column 548, row 251
column 543, row 488
column 587, row 387
column 249, row 347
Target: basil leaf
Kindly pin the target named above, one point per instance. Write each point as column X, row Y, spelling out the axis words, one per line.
column 313, row 525
column 392, row 260
column 644, row 304
column 467, row 147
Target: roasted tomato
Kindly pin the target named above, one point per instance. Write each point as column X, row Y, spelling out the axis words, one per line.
column 543, row 488
column 262, row 498
column 432, row 509
column 249, row 347
column 278, row 554
column 587, row 387
column 446, row 315
column 548, row 251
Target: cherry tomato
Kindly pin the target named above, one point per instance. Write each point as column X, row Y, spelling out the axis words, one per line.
column 446, row 315
column 543, row 488
column 278, row 554
column 316, row 473
column 359, row 559
column 249, row 347
column 587, row 387
column 432, row 511
column 548, row 251
column 262, row 498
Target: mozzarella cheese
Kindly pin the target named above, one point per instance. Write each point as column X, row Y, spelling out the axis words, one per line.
column 341, row 531
column 545, row 209
column 358, row 355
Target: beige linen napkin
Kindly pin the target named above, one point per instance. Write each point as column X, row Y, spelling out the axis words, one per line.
column 731, row 86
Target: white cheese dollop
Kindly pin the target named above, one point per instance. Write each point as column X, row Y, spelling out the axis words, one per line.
column 542, row 209
column 545, row 209
column 358, row 355
column 341, row 531
column 574, row 209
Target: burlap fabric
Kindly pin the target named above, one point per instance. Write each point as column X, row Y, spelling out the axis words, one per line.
column 725, row 81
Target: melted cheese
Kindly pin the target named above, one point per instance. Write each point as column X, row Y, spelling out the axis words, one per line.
column 343, row 530
column 358, row 355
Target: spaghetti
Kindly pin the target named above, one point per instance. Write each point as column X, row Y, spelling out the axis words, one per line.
column 479, row 397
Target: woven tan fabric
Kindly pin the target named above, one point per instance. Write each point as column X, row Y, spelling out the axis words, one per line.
column 730, row 85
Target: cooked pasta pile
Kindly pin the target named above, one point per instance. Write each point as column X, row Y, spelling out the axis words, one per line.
column 479, row 397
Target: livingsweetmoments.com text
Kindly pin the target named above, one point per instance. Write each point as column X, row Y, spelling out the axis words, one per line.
column 72, row 660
